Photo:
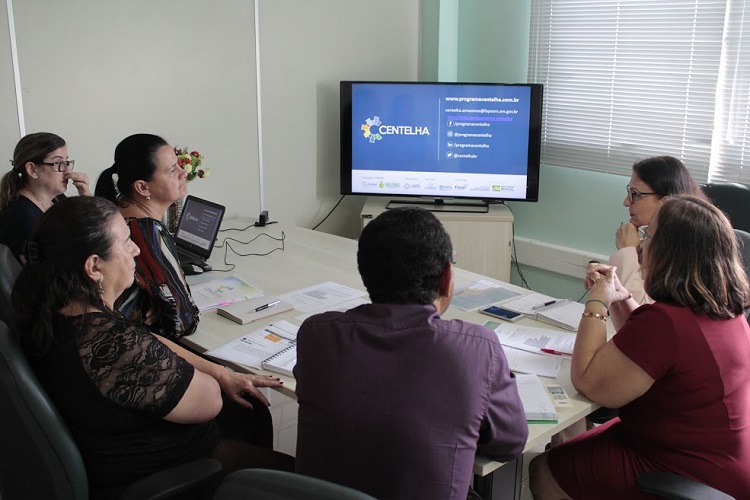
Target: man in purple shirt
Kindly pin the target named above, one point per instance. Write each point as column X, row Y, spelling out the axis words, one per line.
column 393, row 400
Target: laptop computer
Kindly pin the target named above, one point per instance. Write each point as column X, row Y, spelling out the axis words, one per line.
column 197, row 231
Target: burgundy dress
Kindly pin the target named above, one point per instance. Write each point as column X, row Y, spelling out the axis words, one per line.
column 694, row 420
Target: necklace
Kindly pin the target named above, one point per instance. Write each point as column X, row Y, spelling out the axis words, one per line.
column 44, row 207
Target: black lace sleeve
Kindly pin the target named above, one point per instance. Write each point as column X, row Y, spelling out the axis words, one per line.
column 130, row 366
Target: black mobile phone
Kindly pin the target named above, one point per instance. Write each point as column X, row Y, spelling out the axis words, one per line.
column 499, row 312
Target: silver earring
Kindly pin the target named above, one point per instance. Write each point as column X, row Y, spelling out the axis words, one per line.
column 100, row 287
column 148, row 197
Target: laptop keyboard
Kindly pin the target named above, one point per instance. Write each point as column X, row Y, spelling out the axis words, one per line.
column 188, row 257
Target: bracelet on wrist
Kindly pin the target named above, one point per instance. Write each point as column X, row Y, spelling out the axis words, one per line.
column 588, row 314
column 599, row 301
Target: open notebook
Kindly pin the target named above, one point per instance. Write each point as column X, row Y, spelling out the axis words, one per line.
column 562, row 313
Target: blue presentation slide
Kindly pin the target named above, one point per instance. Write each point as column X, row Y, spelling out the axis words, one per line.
column 480, row 129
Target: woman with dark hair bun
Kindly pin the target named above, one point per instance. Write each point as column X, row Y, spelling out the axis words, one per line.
column 677, row 369
column 134, row 402
column 40, row 173
column 654, row 181
column 144, row 181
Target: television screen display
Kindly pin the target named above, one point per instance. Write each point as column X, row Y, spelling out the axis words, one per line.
column 441, row 140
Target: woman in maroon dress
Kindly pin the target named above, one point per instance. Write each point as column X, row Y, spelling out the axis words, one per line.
column 677, row 369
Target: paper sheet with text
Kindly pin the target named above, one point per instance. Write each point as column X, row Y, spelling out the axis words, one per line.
column 534, row 339
column 322, row 297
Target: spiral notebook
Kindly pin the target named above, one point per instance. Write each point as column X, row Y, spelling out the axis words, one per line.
column 282, row 362
column 260, row 347
column 562, row 313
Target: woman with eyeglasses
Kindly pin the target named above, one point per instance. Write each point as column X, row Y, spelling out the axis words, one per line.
column 40, row 173
column 677, row 369
column 652, row 182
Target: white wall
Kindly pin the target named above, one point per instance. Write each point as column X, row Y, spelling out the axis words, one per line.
column 306, row 49
column 95, row 71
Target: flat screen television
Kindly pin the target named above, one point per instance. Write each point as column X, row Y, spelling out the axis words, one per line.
column 462, row 144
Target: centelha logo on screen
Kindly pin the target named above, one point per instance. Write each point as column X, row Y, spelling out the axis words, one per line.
column 374, row 130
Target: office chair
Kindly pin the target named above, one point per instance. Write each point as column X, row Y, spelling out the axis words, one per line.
column 9, row 269
column 733, row 199
column 675, row 487
column 744, row 240
column 39, row 458
column 264, row 484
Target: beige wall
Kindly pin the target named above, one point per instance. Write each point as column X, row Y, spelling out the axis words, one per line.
column 95, row 71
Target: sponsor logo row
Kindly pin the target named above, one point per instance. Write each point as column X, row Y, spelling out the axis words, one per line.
column 436, row 187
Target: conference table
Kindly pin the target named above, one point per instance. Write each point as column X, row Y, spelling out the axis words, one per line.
column 309, row 258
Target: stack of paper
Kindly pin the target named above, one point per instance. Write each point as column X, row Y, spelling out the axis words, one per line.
column 536, row 403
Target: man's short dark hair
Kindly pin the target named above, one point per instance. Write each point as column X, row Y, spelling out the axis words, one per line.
column 402, row 255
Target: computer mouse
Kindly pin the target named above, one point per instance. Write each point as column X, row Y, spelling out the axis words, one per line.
column 191, row 269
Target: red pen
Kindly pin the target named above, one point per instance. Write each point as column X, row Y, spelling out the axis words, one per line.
column 552, row 351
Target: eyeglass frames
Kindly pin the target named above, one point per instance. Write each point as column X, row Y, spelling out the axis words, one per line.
column 634, row 194
column 60, row 166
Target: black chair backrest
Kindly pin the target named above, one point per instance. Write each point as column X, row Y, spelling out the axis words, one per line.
column 39, row 458
column 9, row 269
column 264, row 484
column 733, row 199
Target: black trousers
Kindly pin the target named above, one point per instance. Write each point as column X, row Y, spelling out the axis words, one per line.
column 243, row 424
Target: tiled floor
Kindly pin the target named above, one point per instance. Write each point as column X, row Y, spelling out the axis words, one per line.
column 284, row 413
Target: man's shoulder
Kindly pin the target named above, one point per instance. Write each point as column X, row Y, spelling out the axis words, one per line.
column 394, row 317
column 466, row 328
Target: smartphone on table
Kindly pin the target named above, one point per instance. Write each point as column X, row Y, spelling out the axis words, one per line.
column 501, row 313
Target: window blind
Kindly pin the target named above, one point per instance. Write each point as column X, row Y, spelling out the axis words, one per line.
column 730, row 161
column 629, row 79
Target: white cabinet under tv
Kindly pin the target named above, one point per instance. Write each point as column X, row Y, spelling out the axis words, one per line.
column 482, row 241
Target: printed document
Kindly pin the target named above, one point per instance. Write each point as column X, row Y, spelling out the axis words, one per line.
column 480, row 294
column 524, row 361
column 322, row 297
column 535, row 340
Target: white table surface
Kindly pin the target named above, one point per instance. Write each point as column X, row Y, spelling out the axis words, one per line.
column 310, row 258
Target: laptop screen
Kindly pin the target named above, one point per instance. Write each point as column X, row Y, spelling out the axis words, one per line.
column 199, row 225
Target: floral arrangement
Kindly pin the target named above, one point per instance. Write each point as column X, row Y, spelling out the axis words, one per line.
column 192, row 163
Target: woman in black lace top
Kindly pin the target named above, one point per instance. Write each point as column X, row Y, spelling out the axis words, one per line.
column 134, row 402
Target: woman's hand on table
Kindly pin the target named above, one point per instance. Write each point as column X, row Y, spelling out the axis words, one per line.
column 235, row 385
